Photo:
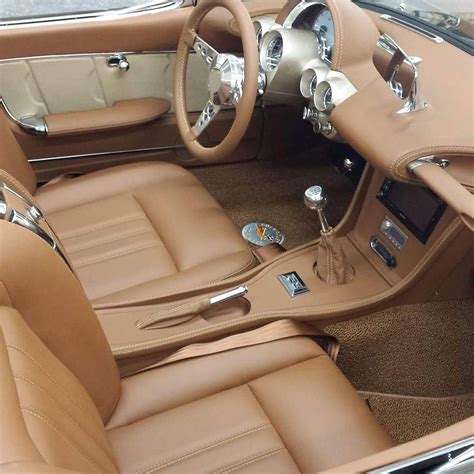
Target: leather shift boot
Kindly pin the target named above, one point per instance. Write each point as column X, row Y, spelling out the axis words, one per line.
column 332, row 265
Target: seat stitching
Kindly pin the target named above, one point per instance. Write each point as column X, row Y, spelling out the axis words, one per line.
column 251, row 459
column 103, row 225
column 107, row 241
column 158, row 295
column 156, row 231
column 61, row 408
column 122, row 253
column 218, row 442
column 47, row 421
column 52, row 380
column 266, row 414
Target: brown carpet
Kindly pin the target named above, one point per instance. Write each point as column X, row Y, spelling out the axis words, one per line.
column 272, row 192
column 408, row 418
column 414, row 364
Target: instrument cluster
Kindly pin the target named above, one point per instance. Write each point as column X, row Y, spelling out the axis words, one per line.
column 296, row 60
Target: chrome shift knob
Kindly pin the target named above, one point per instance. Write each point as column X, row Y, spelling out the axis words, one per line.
column 315, row 198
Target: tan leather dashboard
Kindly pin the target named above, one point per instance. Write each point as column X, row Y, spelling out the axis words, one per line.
column 368, row 119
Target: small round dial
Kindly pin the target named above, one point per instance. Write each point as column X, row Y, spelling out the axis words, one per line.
column 274, row 53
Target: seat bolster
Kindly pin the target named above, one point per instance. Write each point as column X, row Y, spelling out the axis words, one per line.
column 183, row 382
column 12, row 158
column 102, row 184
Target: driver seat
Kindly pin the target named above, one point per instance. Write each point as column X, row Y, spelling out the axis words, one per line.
column 134, row 232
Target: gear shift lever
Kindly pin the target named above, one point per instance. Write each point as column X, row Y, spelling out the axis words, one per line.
column 332, row 265
column 315, row 198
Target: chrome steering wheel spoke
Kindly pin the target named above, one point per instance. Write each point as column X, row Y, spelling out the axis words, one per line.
column 207, row 116
column 204, row 51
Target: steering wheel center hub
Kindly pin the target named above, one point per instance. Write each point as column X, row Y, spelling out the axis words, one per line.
column 226, row 79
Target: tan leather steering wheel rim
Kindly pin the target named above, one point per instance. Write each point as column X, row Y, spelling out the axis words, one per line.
column 246, row 105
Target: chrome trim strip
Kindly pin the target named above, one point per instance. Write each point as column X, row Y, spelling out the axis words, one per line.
column 417, row 29
column 105, row 153
column 102, row 15
column 406, row 463
column 427, row 160
column 91, row 55
column 31, row 123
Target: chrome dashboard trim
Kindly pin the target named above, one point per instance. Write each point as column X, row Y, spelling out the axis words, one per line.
column 412, row 27
column 428, row 160
column 105, row 153
column 300, row 8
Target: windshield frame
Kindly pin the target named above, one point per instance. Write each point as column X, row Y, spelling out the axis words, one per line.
column 446, row 35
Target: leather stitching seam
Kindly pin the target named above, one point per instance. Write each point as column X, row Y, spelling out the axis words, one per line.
column 251, row 459
column 51, row 379
column 122, row 253
column 65, row 412
column 47, row 421
column 107, row 241
column 121, row 220
column 241, row 269
column 219, row 442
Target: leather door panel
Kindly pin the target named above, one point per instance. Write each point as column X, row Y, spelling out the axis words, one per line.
column 62, row 67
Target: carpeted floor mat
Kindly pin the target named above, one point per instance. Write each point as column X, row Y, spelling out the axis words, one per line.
column 272, row 192
column 407, row 418
column 414, row 364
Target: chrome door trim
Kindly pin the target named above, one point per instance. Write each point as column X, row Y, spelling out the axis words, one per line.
column 31, row 123
column 101, row 15
column 105, row 153
column 90, row 55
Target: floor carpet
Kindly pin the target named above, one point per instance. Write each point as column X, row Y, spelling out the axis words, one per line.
column 414, row 364
column 272, row 192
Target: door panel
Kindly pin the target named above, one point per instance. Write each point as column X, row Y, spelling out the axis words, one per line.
column 53, row 85
column 62, row 67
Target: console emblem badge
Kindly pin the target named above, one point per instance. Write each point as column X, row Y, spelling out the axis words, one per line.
column 261, row 234
column 293, row 284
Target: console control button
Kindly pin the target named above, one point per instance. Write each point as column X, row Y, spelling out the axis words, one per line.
column 383, row 253
column 393, row 233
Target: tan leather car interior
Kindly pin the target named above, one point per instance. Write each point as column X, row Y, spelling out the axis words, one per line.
column 146, row 228
column 237, row 236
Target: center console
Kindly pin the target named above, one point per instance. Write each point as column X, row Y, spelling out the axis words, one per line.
column 399, row 242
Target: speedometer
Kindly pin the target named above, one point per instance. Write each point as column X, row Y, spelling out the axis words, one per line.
column 324, row 29
column 274, row 53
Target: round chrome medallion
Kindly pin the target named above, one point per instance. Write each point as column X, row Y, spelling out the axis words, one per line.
column 261, row 234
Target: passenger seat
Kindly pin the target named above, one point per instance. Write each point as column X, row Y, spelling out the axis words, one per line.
column 281, row 406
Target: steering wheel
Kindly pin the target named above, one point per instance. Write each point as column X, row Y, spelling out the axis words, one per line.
column 232, row 80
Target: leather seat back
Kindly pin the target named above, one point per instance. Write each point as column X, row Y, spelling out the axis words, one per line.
column 38, row 283
column 47, row 415
column 12, row 158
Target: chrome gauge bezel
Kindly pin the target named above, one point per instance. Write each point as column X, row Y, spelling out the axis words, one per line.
column 270, row 59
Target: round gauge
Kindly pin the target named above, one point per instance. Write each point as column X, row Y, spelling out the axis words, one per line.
column 261, row 234
column 274, row 53
column 324, row 29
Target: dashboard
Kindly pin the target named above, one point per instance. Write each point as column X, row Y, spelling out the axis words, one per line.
column 296, row 59
column 367, row 79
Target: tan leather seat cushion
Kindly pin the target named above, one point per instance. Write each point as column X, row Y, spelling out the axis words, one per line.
column 141, row 231
column 277, row 407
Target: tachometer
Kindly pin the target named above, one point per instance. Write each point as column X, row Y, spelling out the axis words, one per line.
column 324, row 29
column 273, row 54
